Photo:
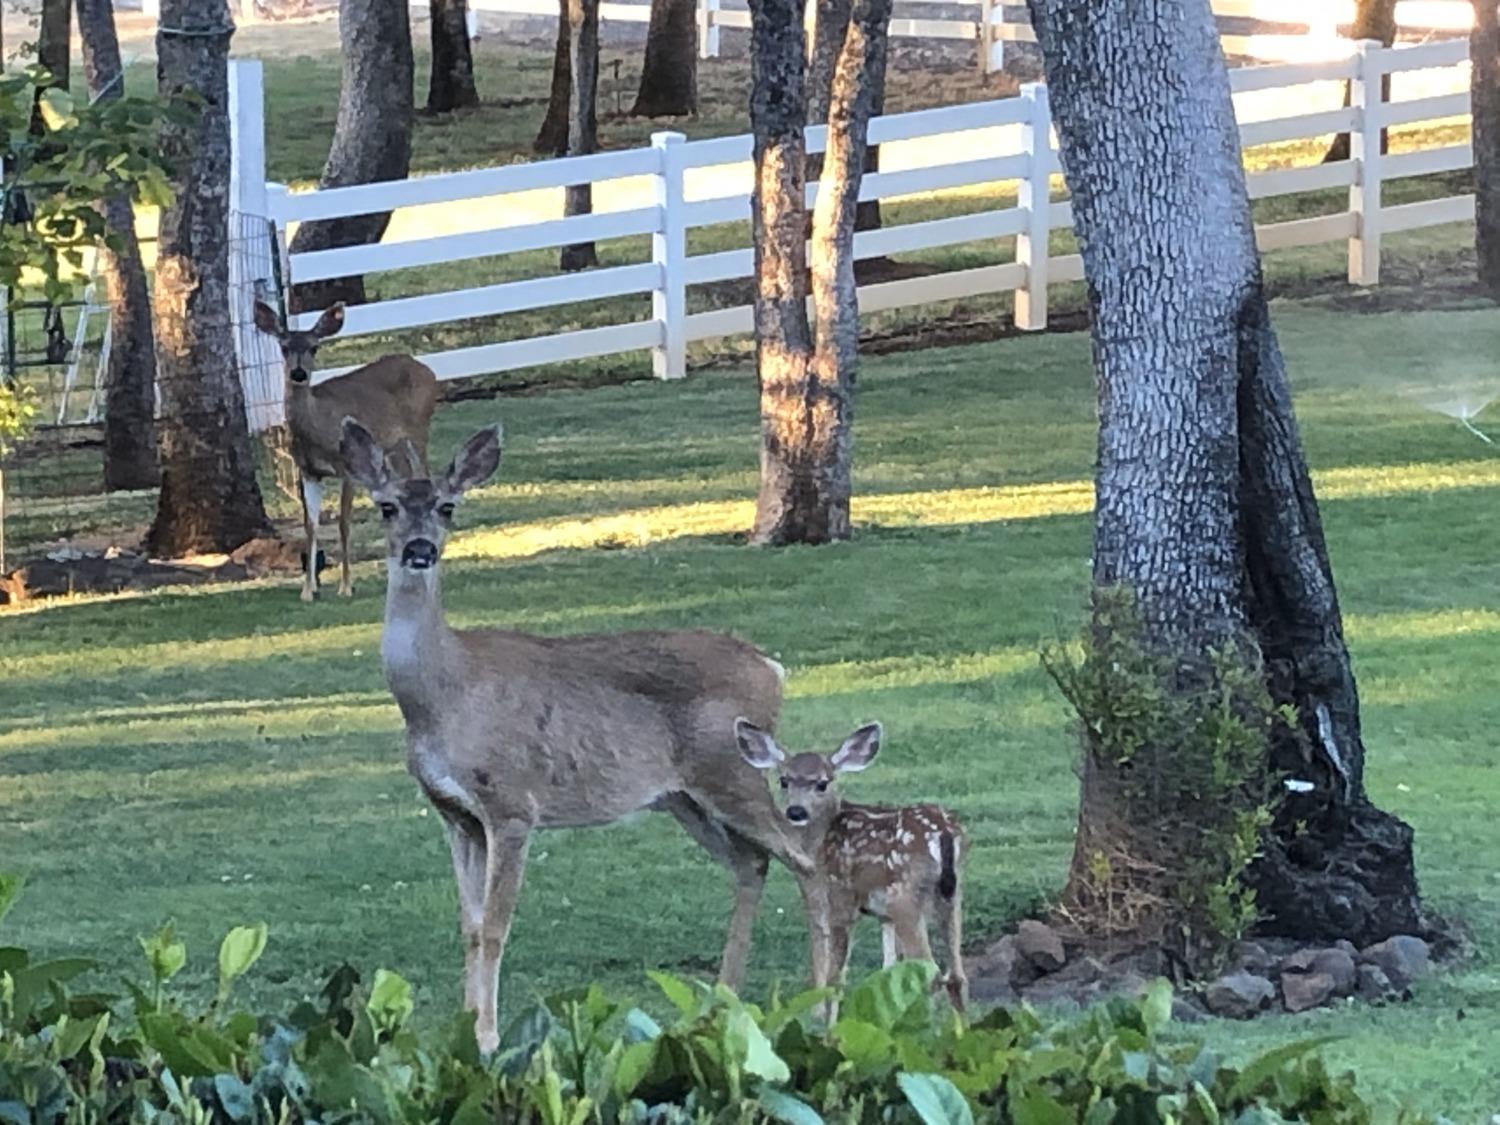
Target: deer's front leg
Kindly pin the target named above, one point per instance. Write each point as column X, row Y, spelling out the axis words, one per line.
column 312, row 505
column 346, row 511
column 466, row 842
column 505, row 864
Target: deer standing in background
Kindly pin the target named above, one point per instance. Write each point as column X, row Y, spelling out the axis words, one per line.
column 508, row 733
column 393, row 398
column 899, row 864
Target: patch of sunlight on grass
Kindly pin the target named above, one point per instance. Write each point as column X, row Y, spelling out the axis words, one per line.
column 1433, row 625
column 909, row 671
column 193, row 783
column 1364, row 482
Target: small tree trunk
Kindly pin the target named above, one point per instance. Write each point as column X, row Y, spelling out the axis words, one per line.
column 52, row 47
column 371, row 137
column 452, row 83
column 130, row 379
column 1373, row 19
column 552, row 137
column 583, row 122
column 1484, row 96
column 210, row 499
column 669, row 76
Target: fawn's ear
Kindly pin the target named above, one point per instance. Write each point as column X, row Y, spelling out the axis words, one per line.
column 858, row 750
column 266, row 319
column 756, row 746
column 476, row 462
column 362, row 457
column 331, row 322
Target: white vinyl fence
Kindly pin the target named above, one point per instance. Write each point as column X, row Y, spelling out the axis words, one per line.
column 680, row 186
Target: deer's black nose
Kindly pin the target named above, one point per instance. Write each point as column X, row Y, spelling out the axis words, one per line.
column 298, row 374
column 419, row 554
column 796, row 814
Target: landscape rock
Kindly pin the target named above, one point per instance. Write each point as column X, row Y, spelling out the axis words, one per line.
column 1402, row 958
column 1348, row 947
column 1374, row 985
column 1003, row 962
column 1239, row 995
column 1039, row 945
column 1334, row 962
column 1254, row 958
column 1302, row 991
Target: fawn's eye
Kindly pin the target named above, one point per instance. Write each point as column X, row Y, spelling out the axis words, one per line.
column 388, row 511
column 822, row 787
column 446, row 511
column 785, row 784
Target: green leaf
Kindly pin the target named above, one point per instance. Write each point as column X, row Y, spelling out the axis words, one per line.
column 868, row 1047
column 781, row 1106
column 936, row 1100
column 56, row 106
column 883, row 998
column 1156, row 1007
column 164, row 953
column 390, row 1004
column 1265, row 1066
column 683, row 996
column 1205, row 1103
column 635, row 1063
column 10, row 890
column 241, row 948
column 1040, row 1108
column 759, row 1058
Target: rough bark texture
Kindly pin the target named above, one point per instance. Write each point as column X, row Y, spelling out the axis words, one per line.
column 451, row 85
column 210, row 499
column 552, row 137
column 1204, row 505
column 52, row 50
column 1484, row 97
column 371, row 137
column 583, row 121
column 130, row 378
column 1373, row 19
column 669, row 75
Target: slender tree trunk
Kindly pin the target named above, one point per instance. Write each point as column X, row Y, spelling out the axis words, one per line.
column 1205, row 509
column 210, row 499
column 1484, row 97
column 52, row 47
column 583, row 121
column 452, row 83
column 1373, row 19
column 669, row 76
column 130, row 379
column 371, row 137
column 552, row 137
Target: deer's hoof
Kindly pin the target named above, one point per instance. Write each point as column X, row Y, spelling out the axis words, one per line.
column 489, row 1042
column 346, row 589
column 309, row 594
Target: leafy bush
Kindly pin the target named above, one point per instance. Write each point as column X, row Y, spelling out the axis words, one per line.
column 353, row 1054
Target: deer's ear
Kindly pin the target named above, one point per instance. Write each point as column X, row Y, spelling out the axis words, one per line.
column 476, row 462
column 362, row 457
column 858, row 750
column 756, row 746
column 331, row 322
column 266, row 319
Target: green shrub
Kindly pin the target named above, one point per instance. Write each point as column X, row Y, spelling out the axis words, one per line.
column 352, row 1055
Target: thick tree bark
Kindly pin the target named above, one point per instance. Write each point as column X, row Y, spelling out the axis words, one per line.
column 583, row 121
column 669, row 75
column 451, row 85
column 1205, row 509
column 371, row 137
column 130, row 378
column 552, row 137
column 52, row 47
column 210, row 499
column 1373, row 19
column 1484, row 99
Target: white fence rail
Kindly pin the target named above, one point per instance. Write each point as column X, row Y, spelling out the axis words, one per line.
column 676, row 186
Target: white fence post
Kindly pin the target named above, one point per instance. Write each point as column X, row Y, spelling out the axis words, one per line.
column 708, row 29
column 1364, row 150
column 250, row 245
column 1032, row 244
column 991, row 46
column 669, row 252
column 471, row 23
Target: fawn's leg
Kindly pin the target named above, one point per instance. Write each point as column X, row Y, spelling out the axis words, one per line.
column 911, row 930
column 951, row 915
column 346, row 510
column 505, row 864
column 312, row 505
column 887, row 944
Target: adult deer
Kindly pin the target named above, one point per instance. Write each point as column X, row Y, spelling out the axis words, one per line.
column 393, row 398
column 508, row 733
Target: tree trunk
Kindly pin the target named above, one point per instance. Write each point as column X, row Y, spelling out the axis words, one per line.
column 130, row 379
column 552, row 137
column 210, row 499
column 52, row 46
column 371, row 137
column 669, row 76
column 1484, row 97
column 807, row 381
column 1373, row 19
column 452, row 83
column 1205, row 511
column 583, row 121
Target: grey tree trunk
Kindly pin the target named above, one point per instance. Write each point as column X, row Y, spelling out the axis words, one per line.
column 1205, row 509
column 552, row 137
column 451, row 85
column 52, row 48
column 669, row 75
column 806, row 379
column 1373, row 19
column 1484, row 99
column 210, row 499
column 130, row 378
column 371, row 136
column 583, row 121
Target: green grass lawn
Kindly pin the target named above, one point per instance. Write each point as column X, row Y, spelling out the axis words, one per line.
column 226, row 755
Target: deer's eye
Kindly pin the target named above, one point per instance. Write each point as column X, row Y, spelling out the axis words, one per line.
column 388, row 511
column 785, row 784
column 822, row 787
column 446, row 511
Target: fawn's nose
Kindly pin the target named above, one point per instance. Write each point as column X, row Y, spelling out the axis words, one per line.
column 796, row 814
column 419, row 554
column 298, row 374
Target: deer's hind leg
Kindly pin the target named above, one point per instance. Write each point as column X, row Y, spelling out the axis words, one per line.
column 506, row 845
column 346, row 511
column 312, row 507
column 466, row 842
